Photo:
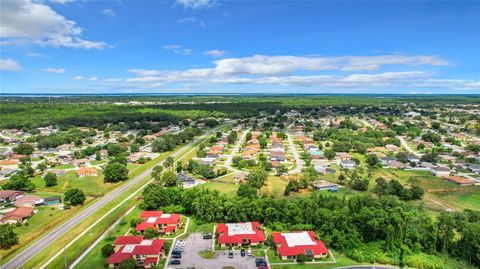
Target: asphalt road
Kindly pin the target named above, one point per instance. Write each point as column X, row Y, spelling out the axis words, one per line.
column 229, row 159
column 296, row 156
column 49, row 238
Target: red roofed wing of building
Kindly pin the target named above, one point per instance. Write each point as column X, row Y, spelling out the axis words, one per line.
column 289, row 245
column 249, row 233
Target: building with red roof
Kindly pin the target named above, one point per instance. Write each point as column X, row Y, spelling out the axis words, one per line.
column 18, row 215
column 236, row 234
column 146, row 253
column 165, row 224
column 289, row 245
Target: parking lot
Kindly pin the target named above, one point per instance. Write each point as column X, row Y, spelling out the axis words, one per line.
column 195, row 244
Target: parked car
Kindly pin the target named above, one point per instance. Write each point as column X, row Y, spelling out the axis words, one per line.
column 249, row 252
column 175, row 251
column 230, row 254
column 242, row 253
column 260, row 262
column 176, row 255
column 207, row 236
column 175, row 262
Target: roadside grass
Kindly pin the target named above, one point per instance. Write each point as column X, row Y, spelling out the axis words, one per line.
column 39, row 223
column 94, row 258
column 342, row 260
column 80, row 245
column 462, row 198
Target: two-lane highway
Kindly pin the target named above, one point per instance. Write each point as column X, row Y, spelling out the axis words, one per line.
column 32, row 250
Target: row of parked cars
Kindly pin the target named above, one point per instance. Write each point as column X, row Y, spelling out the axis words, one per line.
column 177, row 252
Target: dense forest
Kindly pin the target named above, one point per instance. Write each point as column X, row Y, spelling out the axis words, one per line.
column 366, row 228
column 100, row 111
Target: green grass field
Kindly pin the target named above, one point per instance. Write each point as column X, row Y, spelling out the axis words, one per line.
column 94, row 258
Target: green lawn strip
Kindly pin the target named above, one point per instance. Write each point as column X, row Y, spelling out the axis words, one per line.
column 45, row 254
column 341, row 259
column 38, row 224
column 75, row 250
column 94, row 258
column 207, row 254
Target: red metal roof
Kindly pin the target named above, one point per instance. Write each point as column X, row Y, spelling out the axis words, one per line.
column 285, row 250
column 148, row 214
column 144, row 247
column 154, row 218
column 128, row 240
column 225, row 238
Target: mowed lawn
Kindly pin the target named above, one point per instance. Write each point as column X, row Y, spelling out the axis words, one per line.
column 222, row 187
column 465, row 197
column 92, row 186
column 94, row 258
column 274, row 186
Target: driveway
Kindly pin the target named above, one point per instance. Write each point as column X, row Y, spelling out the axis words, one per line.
column 195, row 243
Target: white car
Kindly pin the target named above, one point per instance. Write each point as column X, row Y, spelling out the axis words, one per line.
column 249, row 252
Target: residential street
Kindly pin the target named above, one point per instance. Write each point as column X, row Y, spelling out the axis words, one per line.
column 228, row 161
column 296, row 156
column 407, row 147
column 35, row 248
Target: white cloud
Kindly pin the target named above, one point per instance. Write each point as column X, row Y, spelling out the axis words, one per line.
column 195, row 4
column 78, row 78
column 109, row 12
column 192, row 20
column 93, row 78
column 283, row 65
column 178, row 49
column 26, row 21
column 144, row 72
column 9, row 65
column 214, row 53
column 34, row 55
column 112, row 79
column 61, row 1
column 54, row 70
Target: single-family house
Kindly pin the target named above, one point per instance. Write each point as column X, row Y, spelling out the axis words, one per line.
column 29, row 200
column 348, row 164
column 321, row 185
column 460, row 180
column 10, row 195
column 20, row 214
column 440, row 171
column 9, row 164
column 86, row 171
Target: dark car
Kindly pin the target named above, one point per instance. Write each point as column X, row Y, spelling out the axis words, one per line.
column 230, row 254
column 175, row 251
column 242, row 253
column 259, row 262
column 177, row 255
column 175, row 262
column 207, row 236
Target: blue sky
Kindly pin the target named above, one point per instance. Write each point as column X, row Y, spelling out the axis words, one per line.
column 68, row 46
